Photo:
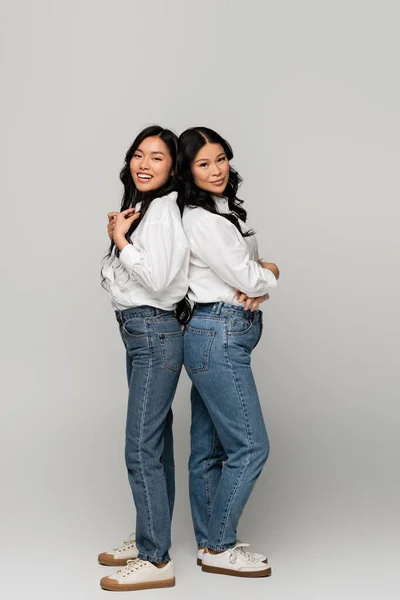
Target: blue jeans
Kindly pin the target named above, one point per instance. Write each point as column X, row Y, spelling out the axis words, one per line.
column 229, row 442
column 153, row 339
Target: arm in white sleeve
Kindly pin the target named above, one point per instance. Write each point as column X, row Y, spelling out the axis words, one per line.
column 221, row 246
column 158, row 261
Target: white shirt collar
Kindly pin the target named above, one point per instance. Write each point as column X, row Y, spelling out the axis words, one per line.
column 221, row 204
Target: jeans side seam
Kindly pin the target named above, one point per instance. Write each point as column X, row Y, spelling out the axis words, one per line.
column 206, row 475
column 236, row 487
column 141, row 436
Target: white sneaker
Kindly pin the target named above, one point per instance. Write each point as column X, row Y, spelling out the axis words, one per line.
column 119, row 556
column 237, row 562
column 139, row 575
column 200, row 553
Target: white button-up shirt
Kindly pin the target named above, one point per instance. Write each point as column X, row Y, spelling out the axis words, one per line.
column 153, row 270
column 221, row 259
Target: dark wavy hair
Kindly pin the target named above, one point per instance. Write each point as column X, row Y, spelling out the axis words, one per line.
column 189, row 194
column 190, row 143
column 131, row 194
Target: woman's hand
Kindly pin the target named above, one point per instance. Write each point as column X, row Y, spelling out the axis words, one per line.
column 119, row 225
column 271, row 267
column 251, row 304
column 111, row 224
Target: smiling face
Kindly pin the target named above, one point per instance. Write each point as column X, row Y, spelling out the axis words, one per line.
column 210, row 169
column 151, row 164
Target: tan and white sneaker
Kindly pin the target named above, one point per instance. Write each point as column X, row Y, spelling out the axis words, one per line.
column 119, row 556
column 200, row 553
column 139, row 575
column 237, row 562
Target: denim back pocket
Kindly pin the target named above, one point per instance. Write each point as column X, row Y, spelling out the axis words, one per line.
column 197, row 348
column 172, row 349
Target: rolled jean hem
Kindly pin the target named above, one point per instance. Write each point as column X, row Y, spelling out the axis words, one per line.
column 202, row 544
column 154, row 559
column 220, row 547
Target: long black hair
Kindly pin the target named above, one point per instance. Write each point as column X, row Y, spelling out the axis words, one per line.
column 190, row 143
column 131, row 194
column 189, row 194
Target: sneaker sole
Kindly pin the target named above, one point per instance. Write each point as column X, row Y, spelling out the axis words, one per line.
column 109, row 584
column 232, row 573
column 199, row 562
column 109, row 561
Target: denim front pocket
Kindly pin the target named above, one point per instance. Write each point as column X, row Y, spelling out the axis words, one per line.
column 197, row 348
column 134, row 328
column 261, row 326
column 238, row 324
column 172, row 349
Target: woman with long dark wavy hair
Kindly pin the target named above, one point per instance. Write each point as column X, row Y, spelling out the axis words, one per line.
column 227, row 282
column 145, row 273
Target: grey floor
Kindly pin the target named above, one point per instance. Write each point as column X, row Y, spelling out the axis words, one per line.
column 329, row 550
column 325, row 569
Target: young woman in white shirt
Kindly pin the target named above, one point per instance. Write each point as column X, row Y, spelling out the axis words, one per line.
column 145, row 274
column 227, row 282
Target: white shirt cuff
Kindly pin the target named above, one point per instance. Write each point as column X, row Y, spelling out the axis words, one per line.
column 129, row 257
column 271, row 279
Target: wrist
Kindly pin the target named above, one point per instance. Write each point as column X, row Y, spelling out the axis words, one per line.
column 120, row 241
column 271, row 267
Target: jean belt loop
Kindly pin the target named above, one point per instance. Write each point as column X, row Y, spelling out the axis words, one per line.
column 219, row 308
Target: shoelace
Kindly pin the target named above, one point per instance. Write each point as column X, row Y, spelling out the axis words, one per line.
column 257, row 556
column 238, row 552
column 128, row 544
column 131, row 566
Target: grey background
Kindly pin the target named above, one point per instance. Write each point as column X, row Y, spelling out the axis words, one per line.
column 308, row 94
